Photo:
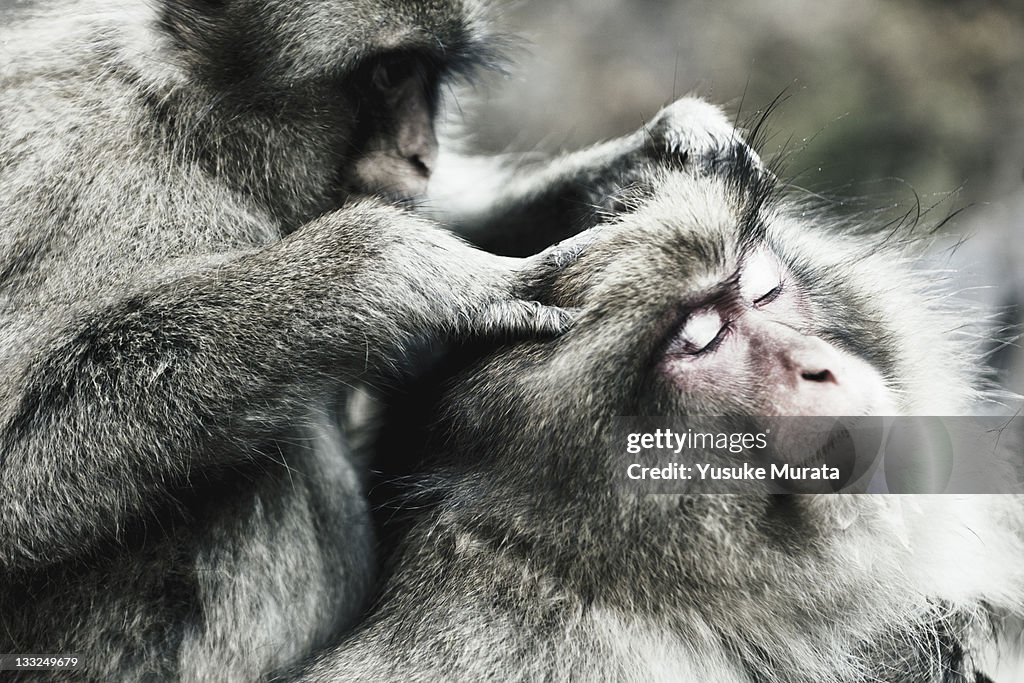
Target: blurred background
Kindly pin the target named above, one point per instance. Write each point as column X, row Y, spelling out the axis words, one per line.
column 884, row 105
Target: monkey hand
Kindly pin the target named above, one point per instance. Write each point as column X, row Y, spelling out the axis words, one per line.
column 690, row 135
column 532, row 280
column 519, row 318
column 691, row 131
column 403, row 277
column 529, row 282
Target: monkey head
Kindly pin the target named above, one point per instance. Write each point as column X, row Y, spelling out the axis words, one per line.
column 716, row 295
column 737, row 311
column 713, row 294
column 321, row 100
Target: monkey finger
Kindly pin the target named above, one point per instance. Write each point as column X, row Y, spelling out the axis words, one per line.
column 516, row 319
column 695, row 132
column 691, row 127
column 568, row 251
column 541, row 268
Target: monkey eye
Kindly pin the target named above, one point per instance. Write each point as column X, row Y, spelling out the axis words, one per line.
column 393, row 70
column 770, row 296
column 762, row 278
column 701, row 332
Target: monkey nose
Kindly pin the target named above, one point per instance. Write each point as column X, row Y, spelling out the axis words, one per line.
column 813, row 360
column 423, row 163
column 824, row 380
column 420, row 151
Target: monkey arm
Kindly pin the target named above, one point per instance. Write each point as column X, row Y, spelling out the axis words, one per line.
column 119, row 406
column 518, row 206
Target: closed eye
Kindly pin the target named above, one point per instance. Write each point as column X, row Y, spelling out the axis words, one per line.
column 762, row 278
column 714, row 343
column 769, row 296
column 702, row 332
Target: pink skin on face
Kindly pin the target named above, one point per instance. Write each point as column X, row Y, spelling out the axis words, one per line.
column 754, row 348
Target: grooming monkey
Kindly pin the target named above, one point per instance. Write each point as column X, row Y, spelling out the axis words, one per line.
column 197, row 257
column 518, row 557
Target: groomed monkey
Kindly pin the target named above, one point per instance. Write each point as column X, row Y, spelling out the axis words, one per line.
column 518, row 558
column 197, row 257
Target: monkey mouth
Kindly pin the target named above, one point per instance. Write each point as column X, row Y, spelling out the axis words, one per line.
column 850, row 445
column 815, row 448
column 391, row 177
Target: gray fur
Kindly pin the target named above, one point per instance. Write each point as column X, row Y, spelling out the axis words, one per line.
column 188, row 283
column 518, row 559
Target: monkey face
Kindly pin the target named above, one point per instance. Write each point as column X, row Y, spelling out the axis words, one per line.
column 714, row 296
column 335, row 99
column 396, row 146
column 752, row 334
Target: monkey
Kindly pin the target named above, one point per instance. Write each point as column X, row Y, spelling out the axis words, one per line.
column 208, row 235
column 516, row 557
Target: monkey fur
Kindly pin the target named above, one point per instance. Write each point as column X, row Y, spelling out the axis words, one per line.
column 516, row 556
column 203, row 244
column 200, row 252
